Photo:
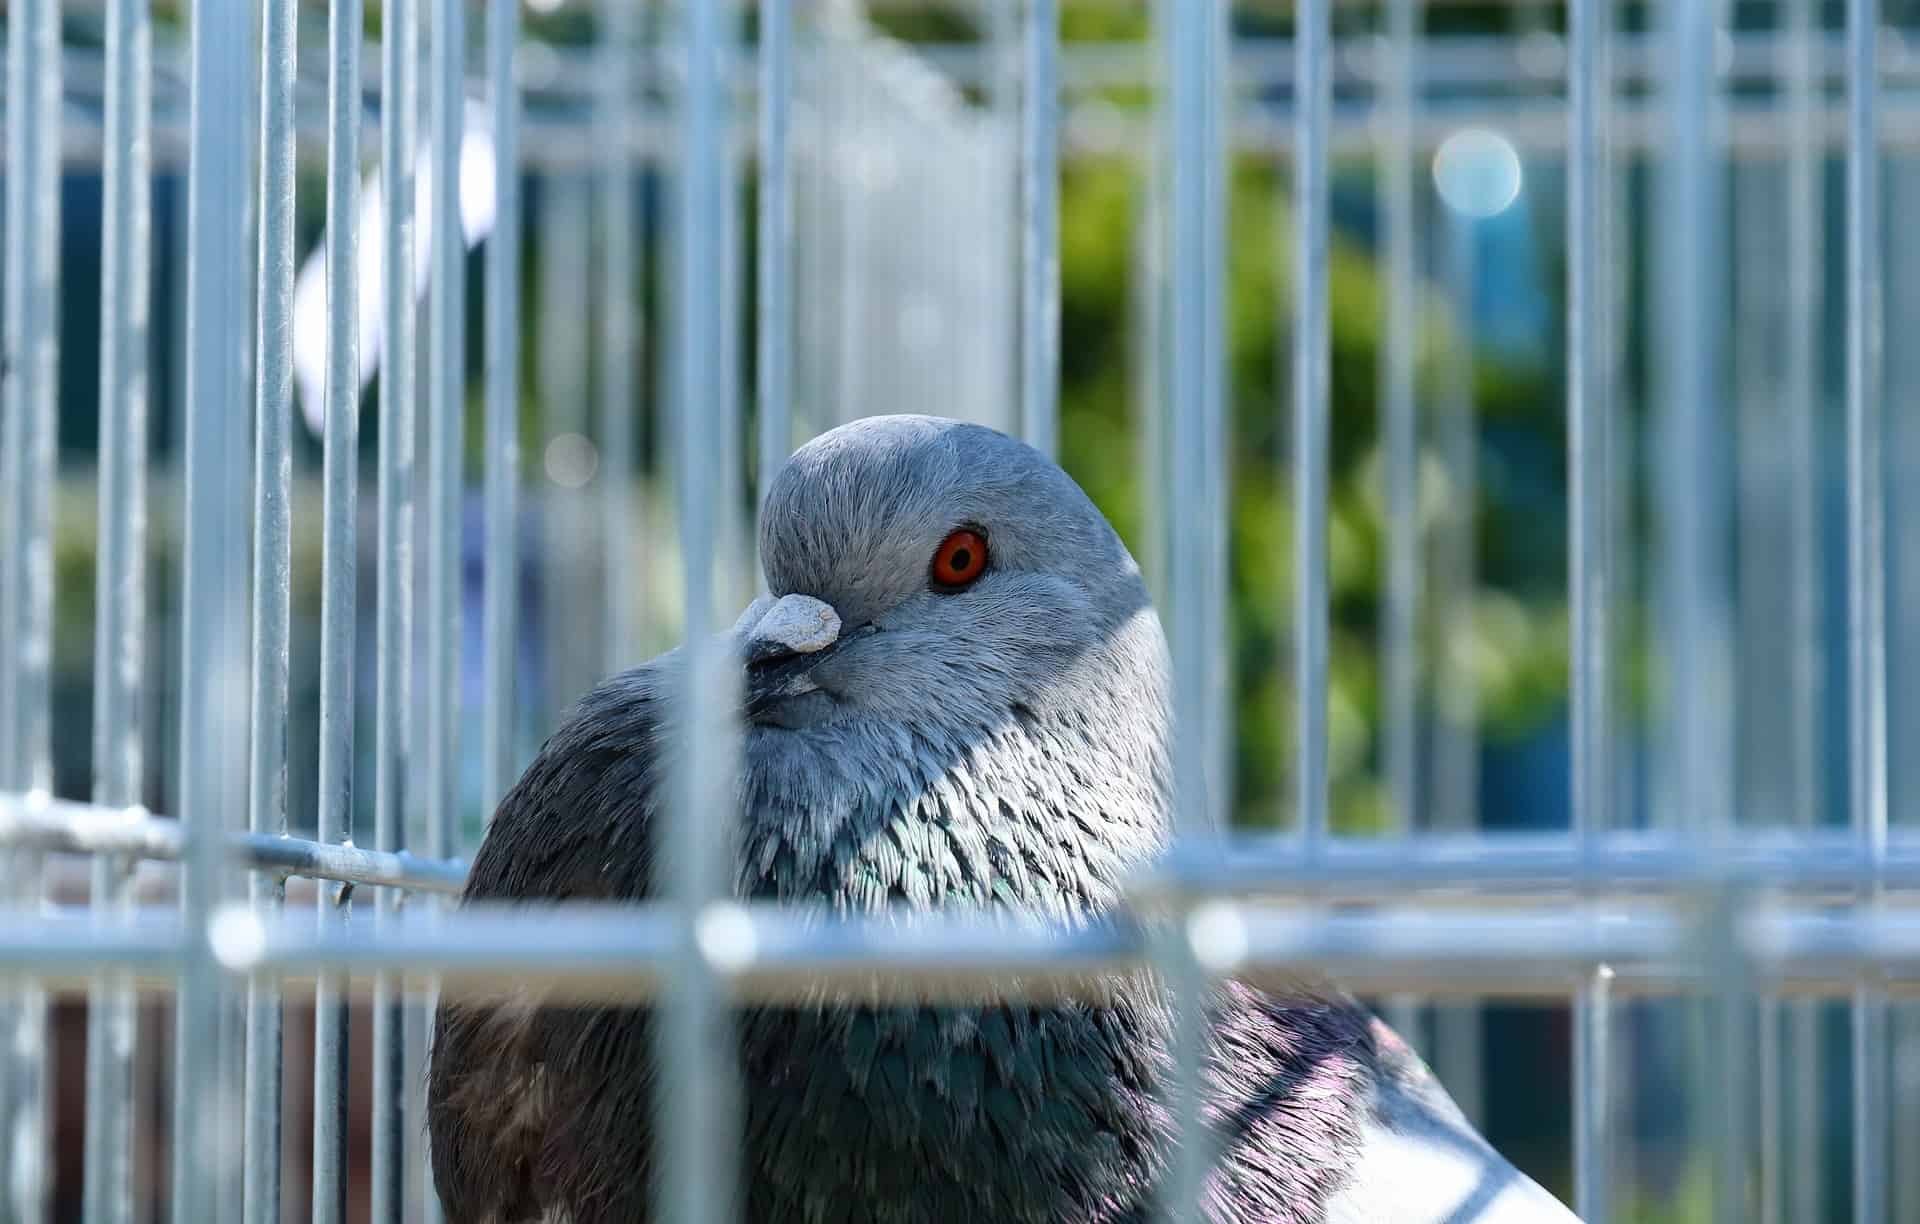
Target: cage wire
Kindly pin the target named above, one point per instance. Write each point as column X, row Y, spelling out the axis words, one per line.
column 902, row 191
column 1498, row 396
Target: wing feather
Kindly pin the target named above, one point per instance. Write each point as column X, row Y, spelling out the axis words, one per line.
column 517, row 1112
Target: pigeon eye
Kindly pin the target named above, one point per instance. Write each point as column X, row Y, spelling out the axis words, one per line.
column 961, row 558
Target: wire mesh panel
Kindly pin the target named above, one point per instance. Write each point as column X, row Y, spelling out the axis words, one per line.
column 1497, row 393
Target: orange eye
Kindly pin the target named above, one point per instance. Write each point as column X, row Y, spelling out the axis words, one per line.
column 961, row 558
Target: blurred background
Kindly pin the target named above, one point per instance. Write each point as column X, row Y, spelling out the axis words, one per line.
column 906, row 275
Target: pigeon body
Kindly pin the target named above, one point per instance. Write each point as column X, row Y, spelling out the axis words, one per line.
column 955, row 697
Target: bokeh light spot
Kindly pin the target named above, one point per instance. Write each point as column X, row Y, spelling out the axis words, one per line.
column 1477, row 172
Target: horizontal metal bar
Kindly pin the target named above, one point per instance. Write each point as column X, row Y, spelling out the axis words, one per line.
column 63, row 827
column 892, row 7
column 62, row 947
column 768, row 954
column 556, row 75
column 1444, row 61
column 559, row 141
column 1506, row 865
column 1515, row 865
column 351, row 865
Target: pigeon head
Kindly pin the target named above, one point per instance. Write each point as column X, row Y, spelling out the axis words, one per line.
column 963, row 575
column 948, row 612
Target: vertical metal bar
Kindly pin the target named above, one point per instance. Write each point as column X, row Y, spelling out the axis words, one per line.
column 121, row 583
column 412, row 1049
column 230, row 1196
column 30, row 384
column 393, row 645
column 1766, row 596
column 1459, row 1036
column 775, row 254
column 500, row 630
column 1588, row 414
column 1194, row 35
column 235, row 662
column 1040, row 231
column 1458, row 1029
column 340, row 502
column 1696, row 765
column 1589, row 574
column 1195, row 616
column 1809, row 1106
column 1903, row 1194
column 1866, row 579
column 149, row 1165
column 1215, row 365
column 996, row 195
column 1004, row 82
column 204, row 1096
column 700, row 1097
column 1902, row 386
column 446, row 420
column 1805, row 293
column 1456, row 782
column 1592, row 1115
column 1313, row 102
column 1772, row 1113
column 736, row 582
column 1619, row 241
column 1804, row 256
column 828, row 81
column 620, row 350
column 15, row 267
column 30, row 447
column 1148, row 317
column 272, row 594
column 1401, row 473
column 853, row 123
column 564, row 297
column 1762, row 634
column 1696, row 759
column 400, row 1031
column 1730, row 1059
column 810, row 259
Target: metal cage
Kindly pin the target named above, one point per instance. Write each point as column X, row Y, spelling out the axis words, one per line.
column 1710, row 863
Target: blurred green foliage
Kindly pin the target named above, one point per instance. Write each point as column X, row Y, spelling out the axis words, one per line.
column 1518, row 647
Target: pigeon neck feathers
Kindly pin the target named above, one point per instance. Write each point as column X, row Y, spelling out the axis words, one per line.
column 1045, row 806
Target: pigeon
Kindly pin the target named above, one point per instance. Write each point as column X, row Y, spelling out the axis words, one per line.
column 954, row 697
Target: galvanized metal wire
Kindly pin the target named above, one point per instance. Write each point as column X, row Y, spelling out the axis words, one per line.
column 634, row 144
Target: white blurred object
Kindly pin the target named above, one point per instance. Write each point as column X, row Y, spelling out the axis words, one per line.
column 1477, row 173
column 310, row 291
column 905, row 261
column 905, row 264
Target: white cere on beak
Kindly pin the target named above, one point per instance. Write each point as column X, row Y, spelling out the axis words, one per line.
column 796, row 624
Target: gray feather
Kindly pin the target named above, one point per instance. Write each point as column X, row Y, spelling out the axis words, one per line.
column 911, row 747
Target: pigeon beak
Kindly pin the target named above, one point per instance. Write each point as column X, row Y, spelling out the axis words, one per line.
column 782, row 640
column 791, row 625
